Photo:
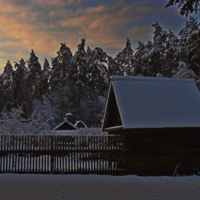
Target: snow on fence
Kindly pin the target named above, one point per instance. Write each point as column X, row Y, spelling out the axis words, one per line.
column 60, row 154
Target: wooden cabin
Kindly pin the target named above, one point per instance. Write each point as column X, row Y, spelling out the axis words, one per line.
column 159, row 123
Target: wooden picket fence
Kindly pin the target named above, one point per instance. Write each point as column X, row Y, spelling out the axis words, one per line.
column 61, row 154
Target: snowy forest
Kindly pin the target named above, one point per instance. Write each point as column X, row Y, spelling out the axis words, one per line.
column 79, row 83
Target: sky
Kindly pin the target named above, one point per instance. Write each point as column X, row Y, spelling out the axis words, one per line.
column 43, row 25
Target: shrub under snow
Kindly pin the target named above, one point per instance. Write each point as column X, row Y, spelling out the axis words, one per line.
column 14, row 123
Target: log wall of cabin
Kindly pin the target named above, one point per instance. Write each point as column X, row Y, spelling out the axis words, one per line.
column 159, row 151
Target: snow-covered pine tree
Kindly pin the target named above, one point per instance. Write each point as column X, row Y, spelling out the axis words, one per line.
column 2, row 101
column 34, row 76
column 97, row 70
column 78, row 82
column 45, row 79
column 153, row 57
column 7, row 74
column 61, row 67
column 183, row 71
column 169, row 55
column 186, row 6
column 140, row 59
column 156, row 57
column 125, row 59
column 7, row 88
column 158, row 51
column 97, row 83
column 113, row 68
column 143, row 59
column 43, row 105
column 188, row 49
column 21, row 94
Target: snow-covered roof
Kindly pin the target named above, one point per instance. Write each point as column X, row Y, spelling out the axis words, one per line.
column 65, row 125
column 80, row 124
column 64, row 132
column 147, row 102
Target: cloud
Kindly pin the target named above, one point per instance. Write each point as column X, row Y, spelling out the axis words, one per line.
column 43, row 25
column 21, row 38
column 109, row 26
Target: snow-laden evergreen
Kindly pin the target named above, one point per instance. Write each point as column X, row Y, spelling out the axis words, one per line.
column 34, row 76
column 183, row 71
column 188, row 50
column 186, row 6
column 59, row 85
column 125, row 60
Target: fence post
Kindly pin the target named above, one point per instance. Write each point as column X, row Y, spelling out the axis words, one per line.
column 122, row 165
column 1, row 146
column 51, row 157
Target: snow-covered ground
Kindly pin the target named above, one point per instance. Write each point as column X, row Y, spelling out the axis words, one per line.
column 92, row 187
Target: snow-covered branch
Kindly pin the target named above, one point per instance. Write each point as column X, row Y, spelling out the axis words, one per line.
column 14, row 123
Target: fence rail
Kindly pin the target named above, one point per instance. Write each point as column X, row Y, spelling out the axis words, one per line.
column 60, row 154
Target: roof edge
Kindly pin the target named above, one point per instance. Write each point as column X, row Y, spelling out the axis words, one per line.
column 144, row 78
column 114, row 128
column 65, row 121
column 164, row 127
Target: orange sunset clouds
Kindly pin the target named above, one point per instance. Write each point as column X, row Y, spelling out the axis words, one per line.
column 43, row 25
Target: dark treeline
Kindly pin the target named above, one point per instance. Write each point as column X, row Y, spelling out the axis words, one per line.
column 78, row 83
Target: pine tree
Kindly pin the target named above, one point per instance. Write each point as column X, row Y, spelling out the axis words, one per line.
column 170, row 52
column 97, row 71
column 188, row 48
column 113, row 68
column 186, row 6
column 60, row 72
column 97, row 82
column 7, row 74
column 34, row 76
column 125, row 60
column 7, row 86
column 45, row 79
column 78, row 79
column 143, row 59
column 158, row 51
column 21, row 93
column 154, row 57
column 139, row 57
column 183, row 71
column 61, row 67
column 2, row 100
